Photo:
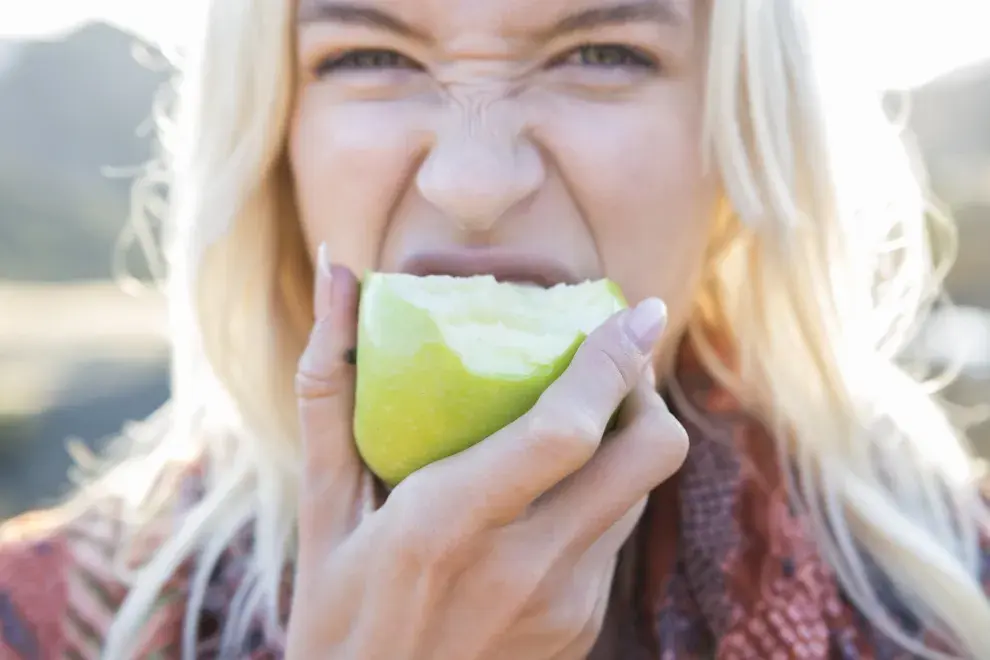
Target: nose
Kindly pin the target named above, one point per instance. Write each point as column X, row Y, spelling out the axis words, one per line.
column 480, row 166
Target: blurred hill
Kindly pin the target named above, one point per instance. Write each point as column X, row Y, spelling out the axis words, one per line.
column 78, row 358
column 69, row 110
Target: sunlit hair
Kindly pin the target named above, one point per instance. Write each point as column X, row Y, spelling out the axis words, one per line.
column 824, row 263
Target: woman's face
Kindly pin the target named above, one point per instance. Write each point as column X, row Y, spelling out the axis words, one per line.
column 539, row 140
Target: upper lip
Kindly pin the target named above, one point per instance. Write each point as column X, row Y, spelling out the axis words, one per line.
column 505, row 266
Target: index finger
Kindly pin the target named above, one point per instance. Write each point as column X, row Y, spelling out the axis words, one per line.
column 505, row 473
column 331, row 469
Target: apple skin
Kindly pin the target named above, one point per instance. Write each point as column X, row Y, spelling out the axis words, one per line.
column 416, row 403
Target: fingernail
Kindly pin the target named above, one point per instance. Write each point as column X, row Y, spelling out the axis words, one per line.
column 323, row 259
column 324, row 283
column 645, row 322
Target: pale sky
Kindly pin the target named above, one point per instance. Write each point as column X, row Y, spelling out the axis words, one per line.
column 905, row 42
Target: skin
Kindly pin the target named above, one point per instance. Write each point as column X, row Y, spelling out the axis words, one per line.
column 469, row 141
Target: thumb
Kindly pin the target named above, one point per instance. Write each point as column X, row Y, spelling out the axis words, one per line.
column 332, row 473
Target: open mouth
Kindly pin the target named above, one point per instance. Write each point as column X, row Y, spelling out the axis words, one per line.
column 504, row 266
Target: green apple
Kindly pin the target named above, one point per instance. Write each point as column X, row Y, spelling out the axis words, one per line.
column 443, row 362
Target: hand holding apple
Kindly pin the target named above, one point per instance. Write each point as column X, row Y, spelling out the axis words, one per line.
column 505, row 549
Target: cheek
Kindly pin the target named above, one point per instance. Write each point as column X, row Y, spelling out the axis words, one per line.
column 349, row 163
column 635, row 170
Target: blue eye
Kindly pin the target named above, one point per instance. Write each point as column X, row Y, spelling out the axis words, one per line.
column 366, row 59
column 607, row 56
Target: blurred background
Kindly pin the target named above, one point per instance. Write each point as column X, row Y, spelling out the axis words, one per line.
column 80, row 354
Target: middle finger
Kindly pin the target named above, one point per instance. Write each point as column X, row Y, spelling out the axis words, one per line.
column 646, row 450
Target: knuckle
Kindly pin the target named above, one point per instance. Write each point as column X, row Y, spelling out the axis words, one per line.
column 668, row 437
column 412, row 490
column 565, row 433
column 613, row 356
column 314, row 383
column 421, row 496
column 675, row 438
column 427, row 534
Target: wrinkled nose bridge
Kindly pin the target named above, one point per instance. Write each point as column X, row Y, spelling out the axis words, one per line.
column 482, row 162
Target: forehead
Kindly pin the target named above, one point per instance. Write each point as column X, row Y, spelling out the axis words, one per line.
column 448, row 18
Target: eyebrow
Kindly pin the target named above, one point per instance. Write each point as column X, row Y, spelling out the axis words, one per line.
column 318, row 11
column 658, row 11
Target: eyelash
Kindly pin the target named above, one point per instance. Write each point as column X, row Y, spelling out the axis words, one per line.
column 607, row 56
column 614, row 56
column 366, row 58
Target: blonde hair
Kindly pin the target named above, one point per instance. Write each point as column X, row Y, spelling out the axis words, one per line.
column 823, row 219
